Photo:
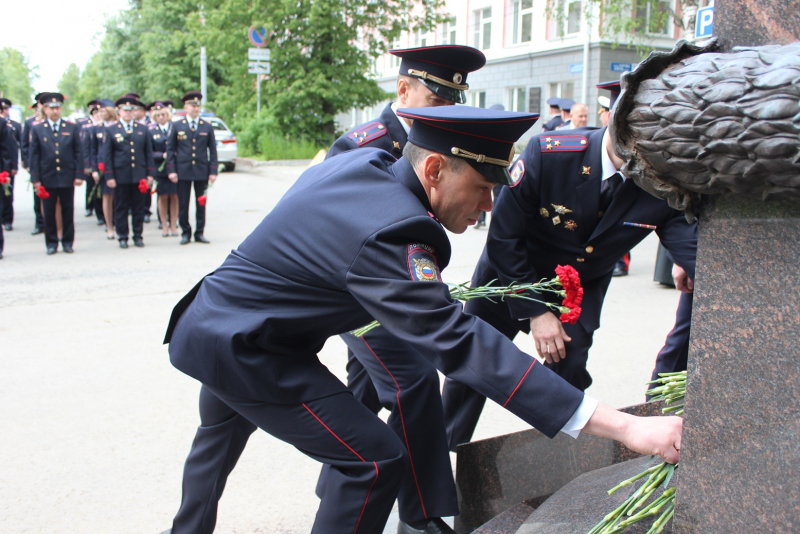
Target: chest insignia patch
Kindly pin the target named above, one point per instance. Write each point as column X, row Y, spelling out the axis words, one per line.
column 544, row 213
column 422, row 263
column 570, row 225
column 561, row 210
column 517, row 172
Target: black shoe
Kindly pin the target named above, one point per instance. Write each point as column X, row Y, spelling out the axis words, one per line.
column 619, row 270
column 146, row 218
column 101, row 223
column 431, row 526
column 138, row 242
column 123, row 243
column 8, row 227
column 37, row 231
column 51, row 249
column 67, row 248
column 200, row 238
column 184, row 239
column 88, row 213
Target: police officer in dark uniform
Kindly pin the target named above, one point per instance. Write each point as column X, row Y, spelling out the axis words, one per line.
column 56, row 161
column 128, row 159
column 8, row 166
column 24, row 149
column 7, row 219
column 192, row 160
column 568, row 206
column 566, row 108
column 555, row 112
column 93, row 199
column 358, row 237
column 429, row 76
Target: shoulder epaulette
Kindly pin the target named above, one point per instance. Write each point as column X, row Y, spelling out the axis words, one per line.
column 152, row 126
column 87, row 125
column 563, row 143
column 37, row 122
column 69, row 121
column 367, row 132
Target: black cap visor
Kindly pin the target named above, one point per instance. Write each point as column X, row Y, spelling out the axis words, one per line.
column 448, row 93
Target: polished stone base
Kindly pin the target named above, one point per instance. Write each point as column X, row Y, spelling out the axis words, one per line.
column 496, row 474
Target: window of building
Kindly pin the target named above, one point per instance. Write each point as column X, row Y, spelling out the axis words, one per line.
column 653, row 16
column 516, row 99
column 523, row 21
column 449, row 31
column 562, row 90
column 421, row 39
column 570, row 22
column 394, row 61
column 482, row 29
column 478, row 99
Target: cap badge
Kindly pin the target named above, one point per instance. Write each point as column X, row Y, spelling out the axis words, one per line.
column 563, row 210
column 457, row 78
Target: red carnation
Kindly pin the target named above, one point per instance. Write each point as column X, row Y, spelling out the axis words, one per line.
column 143, row 186
column 572, row 316
column 202, row 200
column 4, row 179
column 102, row 167
column 571, row 282
column 41, row 192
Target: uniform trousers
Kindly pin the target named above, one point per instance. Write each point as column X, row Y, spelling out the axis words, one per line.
column 674, row 355
column 184, row 195
column 8, row 204
column 367, row 459
column 2, row 238
column 37, row 211
column 127, row 197
column 67, row 197
column 463, row 405
column 408, row 386
column 94, row 198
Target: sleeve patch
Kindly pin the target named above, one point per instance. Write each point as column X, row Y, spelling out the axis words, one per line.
column 422, row 263
column 517, row 172
column 563, row 143
column 367, row 132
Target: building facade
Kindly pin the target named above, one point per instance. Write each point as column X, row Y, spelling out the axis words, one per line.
column 530, row 57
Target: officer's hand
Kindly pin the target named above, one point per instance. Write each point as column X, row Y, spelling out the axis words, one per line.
column 112, row 183
column 14, row 172
column 549, row 337
column 682, row 280
column 96, row 175
column 646, row 435
column 173, row 177
column 87, row 172
column 77, row 182
column 150, row 181
column 212, row 178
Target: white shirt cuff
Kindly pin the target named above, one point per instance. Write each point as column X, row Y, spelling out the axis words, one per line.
column 581, row 416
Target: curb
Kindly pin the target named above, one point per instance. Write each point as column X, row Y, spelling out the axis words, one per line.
column 248, row 163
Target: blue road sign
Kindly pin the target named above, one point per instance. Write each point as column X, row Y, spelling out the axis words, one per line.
column 258, row 36
column 704, row 27
column 621, row 67
column 576, row 68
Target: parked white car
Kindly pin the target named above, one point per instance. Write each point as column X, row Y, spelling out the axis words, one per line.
column 227, row 149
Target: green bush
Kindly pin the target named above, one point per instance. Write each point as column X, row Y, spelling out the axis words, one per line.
column 277, row 147
column 262, row 139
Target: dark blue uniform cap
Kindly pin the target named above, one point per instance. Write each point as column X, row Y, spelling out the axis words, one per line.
column 106, row 102
column 52, row 100
column 93, row 105
column 443, row 69
column 155, row 106
column 169, row 103
column 613, row 87
column 554, row 102
column 192, row 97
column 566, row 103
column 128, row 102
column 484, row 138
column 134, row 95
column 5, row 103
column 37, row 100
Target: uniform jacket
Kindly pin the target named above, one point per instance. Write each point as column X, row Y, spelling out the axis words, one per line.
column 193, row 155
column 128, row 157
column 352, row 240
column 56, row 162
column 8, row 147
column 552, row 124
column 385, row 133
column 25, row 141
column 551, row 217
column 17, row 127
column 95, row 141
column 158, row 142
column 87, row 132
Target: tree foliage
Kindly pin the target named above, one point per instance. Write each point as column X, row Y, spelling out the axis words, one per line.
column 68, row 85
column 16, row 77
column 322, row 54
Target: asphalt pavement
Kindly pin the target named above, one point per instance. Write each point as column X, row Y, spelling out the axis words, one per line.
column 96, row 424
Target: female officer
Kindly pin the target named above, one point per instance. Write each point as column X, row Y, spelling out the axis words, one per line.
column 167, row 189
column 109, row 116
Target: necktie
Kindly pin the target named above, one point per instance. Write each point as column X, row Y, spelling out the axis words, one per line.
column 607, row 190
column 128, row 128
column 55, row 128
column 193, row 126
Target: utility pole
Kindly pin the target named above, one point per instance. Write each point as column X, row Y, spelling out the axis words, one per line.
column 203, row 81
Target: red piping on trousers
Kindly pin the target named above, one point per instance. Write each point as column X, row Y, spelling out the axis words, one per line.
column 359, row 457
column 520, row 383
column 402, row 422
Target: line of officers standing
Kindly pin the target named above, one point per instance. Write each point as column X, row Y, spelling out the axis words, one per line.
column 123, row 155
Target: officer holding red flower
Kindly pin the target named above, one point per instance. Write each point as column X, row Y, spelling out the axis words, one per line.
column 56, row 163
column 128, row 159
